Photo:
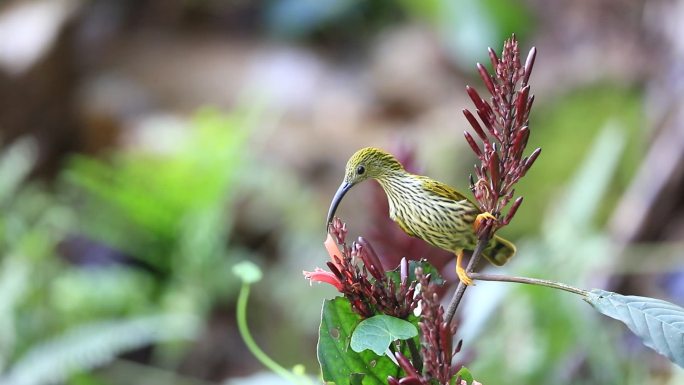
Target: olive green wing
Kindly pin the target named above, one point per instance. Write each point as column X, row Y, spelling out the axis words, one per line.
column 445, row 191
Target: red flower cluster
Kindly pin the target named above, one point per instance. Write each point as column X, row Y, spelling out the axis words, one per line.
column 506, row 120
column 369, row 290
column 437, row 348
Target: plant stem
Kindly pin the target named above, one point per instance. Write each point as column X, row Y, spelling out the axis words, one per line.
column 415, row 355
column 460, row 289
column 529, row 281
column 252, row 345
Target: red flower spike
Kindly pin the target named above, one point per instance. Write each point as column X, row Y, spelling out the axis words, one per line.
column 505, row 116
column 476, row 126
column 392, row 381
column 472, row 144
column 486, row 78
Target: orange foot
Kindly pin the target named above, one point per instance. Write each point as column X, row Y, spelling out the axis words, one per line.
column 481, row 217
column 460, row 271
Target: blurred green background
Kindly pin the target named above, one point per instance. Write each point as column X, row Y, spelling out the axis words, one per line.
column 148, row 146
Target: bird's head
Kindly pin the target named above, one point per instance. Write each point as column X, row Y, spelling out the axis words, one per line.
column 367, row 163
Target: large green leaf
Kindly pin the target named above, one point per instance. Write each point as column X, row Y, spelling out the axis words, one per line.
column 660, row 324
column 378, row 332
column 339, row 363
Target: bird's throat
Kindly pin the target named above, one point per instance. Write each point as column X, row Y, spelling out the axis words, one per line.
column 397, row 187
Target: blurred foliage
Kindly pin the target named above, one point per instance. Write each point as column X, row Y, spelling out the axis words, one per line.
column 140, row 201
column 562, row 128
column 143, row 241
column 464, row 26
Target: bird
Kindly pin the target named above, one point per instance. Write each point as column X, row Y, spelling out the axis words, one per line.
column 423, row 207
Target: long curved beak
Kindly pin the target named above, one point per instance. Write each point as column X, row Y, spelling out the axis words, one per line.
column 344, row 187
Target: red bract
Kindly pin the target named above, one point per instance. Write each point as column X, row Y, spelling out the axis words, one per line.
column 505, row 118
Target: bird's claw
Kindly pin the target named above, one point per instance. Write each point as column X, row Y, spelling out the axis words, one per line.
column 480, row 218
column 460, row 272
column 463, row 276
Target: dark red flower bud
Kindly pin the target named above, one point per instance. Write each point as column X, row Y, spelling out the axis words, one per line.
column 472, row 144
column 493, row 58
column 486, row 78
column 476, row 126
column 475, row 97
column 530, row 161
column 513, row 210
column 406, row 365
column 521, row 106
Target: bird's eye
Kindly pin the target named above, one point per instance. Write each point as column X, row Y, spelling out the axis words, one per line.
column 360, row 170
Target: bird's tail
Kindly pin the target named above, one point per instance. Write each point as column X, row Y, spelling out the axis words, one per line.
column 499, row 251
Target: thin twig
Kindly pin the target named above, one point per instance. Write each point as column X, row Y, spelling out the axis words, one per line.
column 529, row 281
column 460, row 289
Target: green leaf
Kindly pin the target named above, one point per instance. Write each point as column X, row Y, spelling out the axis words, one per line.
column 395, row 274
column 463, row 374
column 658, row 323
column 339, row 363
column 356, row 378
column 378, row 332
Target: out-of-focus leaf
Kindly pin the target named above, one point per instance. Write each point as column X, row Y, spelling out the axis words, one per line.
column 15, row 164
column 339, row 363
column 299, row 17
column 378, row 332
column 91, row 345
column 430, row 10
column 660, row 324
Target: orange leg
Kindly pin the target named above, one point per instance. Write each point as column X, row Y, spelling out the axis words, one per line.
column 460, row 271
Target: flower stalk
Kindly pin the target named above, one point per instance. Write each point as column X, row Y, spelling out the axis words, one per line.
column 502, row 128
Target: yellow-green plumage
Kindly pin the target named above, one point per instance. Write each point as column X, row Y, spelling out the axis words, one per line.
column 422, row 207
